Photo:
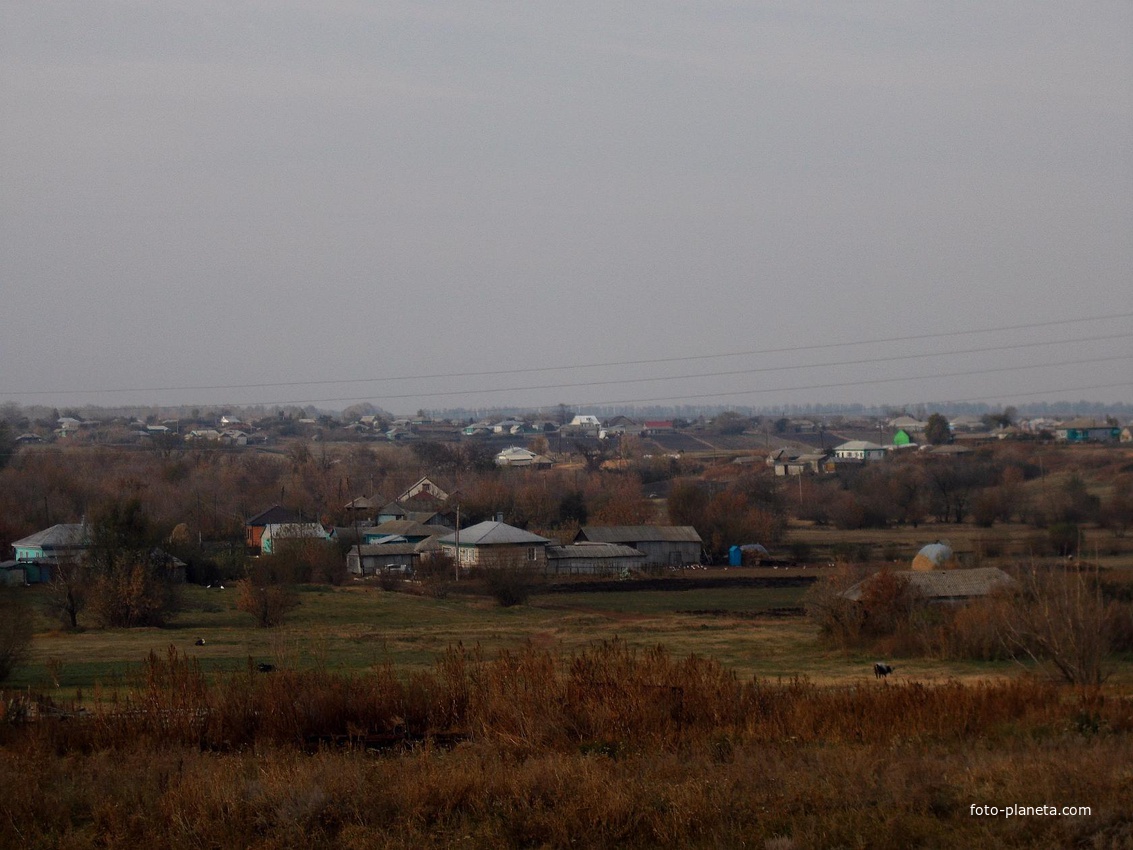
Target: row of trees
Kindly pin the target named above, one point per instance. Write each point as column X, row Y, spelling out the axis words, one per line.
column 981, row 489
column 209, row 494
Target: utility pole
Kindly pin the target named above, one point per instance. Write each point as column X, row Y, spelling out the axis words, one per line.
column 357, row 536
column 457, row 559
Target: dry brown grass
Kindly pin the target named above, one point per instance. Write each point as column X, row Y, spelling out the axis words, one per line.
column 605, row 747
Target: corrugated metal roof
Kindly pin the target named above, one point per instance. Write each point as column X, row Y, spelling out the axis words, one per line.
column 593, row 550
column 638, row 534
column 490, row 533
column 292, row 530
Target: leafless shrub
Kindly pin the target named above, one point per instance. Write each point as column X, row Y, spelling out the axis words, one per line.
column 132, row 592
column 436, row 574
column 839, row 619
column 509, row 584
column 268, row 603
column 1059, row 617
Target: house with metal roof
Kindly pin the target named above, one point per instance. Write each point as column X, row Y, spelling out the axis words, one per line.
column 909, row 424
column 493, row 543
column 798, row 461
column 862, row 450
column 254, row 527
column 53, row 544
column 518, row 456
column 276, row 534
column 39, row 552
column 408, row 530
column 400, row 556
column 1084, row 430
column 662, row 545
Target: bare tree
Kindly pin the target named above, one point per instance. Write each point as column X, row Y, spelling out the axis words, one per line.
column 268, row 603
column 1060, row 618
column 67, row 591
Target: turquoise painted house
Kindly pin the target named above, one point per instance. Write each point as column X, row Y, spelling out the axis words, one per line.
column 38, row 553
column 1088, row 431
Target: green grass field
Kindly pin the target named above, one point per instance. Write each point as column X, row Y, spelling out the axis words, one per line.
column 363, row 628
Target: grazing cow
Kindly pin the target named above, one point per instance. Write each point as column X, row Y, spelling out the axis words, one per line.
column 200, row 642
column 265, row 668
column 880, row 671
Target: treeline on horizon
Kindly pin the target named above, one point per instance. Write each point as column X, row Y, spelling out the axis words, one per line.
column 13, row 412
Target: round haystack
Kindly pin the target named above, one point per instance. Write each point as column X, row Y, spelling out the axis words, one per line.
column 934, row 556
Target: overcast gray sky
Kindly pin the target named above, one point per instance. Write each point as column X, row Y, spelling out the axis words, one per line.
column 270, row 202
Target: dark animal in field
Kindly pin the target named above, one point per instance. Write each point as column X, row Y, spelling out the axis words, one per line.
column 265, row 668
column 880, row 671
column 199, row 642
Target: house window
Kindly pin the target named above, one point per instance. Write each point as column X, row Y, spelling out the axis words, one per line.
column 531, row 553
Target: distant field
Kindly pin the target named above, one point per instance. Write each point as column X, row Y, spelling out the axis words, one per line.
column 975, row 546
column 363, row 628
column 736, row 601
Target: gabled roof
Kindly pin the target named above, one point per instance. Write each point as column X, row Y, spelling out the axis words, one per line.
column 491, row 533
column 432, row 519
column 292, row 530
column 638, row 534
column 62, row 536
column 274, row 515
column 429, row 484
column 363, row 503
column 394, row 508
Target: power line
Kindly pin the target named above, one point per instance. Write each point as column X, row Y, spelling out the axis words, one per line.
column 875, row 381
column 620, row 363
column 855, row 383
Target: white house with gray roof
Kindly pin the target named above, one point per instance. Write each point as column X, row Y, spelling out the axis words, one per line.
column 493, row 543
column 859, row 450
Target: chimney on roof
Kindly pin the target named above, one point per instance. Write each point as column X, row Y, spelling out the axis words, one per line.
column 499, row 517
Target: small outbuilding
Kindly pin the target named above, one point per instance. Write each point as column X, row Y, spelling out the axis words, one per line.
column 747, row 553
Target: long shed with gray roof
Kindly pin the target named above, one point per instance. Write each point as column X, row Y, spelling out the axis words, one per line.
column 593, row 559
column 662, row 545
